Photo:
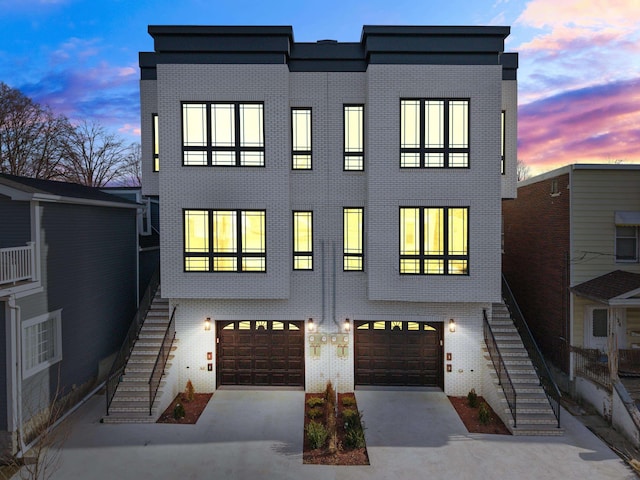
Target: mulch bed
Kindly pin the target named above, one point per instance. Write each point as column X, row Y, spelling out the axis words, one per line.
column 320, row 456
column 469, row 417
column 192, row 409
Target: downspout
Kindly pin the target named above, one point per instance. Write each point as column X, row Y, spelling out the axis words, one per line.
column 16, row 386
column 333, row 293
column 323, row 280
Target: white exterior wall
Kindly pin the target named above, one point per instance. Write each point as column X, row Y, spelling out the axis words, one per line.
column 148, row 106
column 510, row 107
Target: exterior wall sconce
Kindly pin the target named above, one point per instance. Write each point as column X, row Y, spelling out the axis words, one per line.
column 347, row 325
column 311, row 326
column 452, row 325
column 207, row 324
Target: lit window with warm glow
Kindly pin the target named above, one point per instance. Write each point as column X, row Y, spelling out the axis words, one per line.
column 224, row 241
column 353, row 241
column 301, row 138
column 303, row 240
column 223, row 134
column 354, row 137
column 156, row 149
column 434, row 133
column 434, row 241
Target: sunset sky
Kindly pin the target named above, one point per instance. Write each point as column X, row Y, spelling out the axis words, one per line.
column 579, row 75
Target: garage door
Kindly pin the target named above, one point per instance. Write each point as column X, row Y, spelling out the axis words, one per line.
column 399, row 353
column 260, row 353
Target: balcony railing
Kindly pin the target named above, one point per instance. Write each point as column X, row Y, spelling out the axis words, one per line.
column 593, row 365
column 17, row 264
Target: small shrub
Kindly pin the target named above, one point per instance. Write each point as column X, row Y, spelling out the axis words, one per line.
column 189, row 392
column 330, row 394
column 316, row 434
column 178, row 411
column 315, row 402
column 484, row 415
column 352, row 419
column 348, row 401
column 315, row 412
column 472, row 398
column 354, row 438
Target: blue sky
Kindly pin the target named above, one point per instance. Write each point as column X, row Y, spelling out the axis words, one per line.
column 579, row 76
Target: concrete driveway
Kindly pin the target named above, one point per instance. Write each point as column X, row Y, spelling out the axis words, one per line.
column 258, row 434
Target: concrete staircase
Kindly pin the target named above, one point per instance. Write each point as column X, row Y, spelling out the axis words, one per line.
column 131, row 401
column 533, row 411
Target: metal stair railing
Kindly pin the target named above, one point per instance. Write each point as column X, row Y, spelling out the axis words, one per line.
column 504, row 379
column 117, row 369
column 550, row 388
column 161, row 360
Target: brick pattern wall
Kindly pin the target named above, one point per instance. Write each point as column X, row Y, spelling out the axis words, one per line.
column 536, row 245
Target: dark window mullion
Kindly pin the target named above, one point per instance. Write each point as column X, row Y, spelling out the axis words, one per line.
column 423, row 138
column 445, row 248
column 211, row 239
column 209, row 147
column 236, row 121
column 239, row 252
column 446, row 140
column 422, row 253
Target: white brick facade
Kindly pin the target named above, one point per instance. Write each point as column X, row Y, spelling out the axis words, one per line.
column 327, row 294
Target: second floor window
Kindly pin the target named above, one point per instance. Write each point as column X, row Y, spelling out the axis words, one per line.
column 223, row 134
column 224, row 241
column 301, row 138
column 434, row 133
column 156, row 150
column 626, row 243
column 354, row 137
column 434, row 241
column 353, row 239
column 303, row 240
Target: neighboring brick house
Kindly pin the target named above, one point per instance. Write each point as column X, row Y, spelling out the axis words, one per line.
column 68, row 283
column 330, row 211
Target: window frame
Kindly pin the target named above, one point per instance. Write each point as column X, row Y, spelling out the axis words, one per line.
column 294, row 151
column 445, row 256
column 209, row 148
column 297, row 253
column 345, row 153
column 346, row 255
column 446, row 149
column 155, row 146
column 211, row 255
column 636, row 240
column 56, row 317
column 503, row 142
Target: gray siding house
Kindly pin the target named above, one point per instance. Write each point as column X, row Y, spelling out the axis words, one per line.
column 68, row 291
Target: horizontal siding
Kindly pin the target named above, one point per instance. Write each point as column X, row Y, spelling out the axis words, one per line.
column 17, row 215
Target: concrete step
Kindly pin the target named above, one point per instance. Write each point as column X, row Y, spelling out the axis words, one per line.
column 142, row 358
column 130, row 417
column 138, row 387
column 536, row 419
column 142, row 368
column 538, row 430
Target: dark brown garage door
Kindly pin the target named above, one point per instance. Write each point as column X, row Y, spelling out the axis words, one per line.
column 398, row 353
column 260, row 353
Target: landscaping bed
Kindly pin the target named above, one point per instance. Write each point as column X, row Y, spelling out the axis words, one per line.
column 475, row 422
column 193, row 405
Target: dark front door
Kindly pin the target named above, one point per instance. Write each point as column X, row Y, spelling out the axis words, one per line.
column 269, row 353
column 399, row 353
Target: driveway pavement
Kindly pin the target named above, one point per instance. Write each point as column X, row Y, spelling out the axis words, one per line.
column 246, row 434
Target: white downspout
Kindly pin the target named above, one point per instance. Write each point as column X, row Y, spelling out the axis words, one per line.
column 16, row 385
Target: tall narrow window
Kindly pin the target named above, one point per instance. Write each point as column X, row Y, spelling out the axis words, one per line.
column 156, row 150
column 223, row 134
column 626, row 243
column 434, row 133
column 503, row 116
column 434, row 241
column 301, row 138
column 41, row 342
column 353, row 239
column 354, row 137
column 303, row 240
column 224, row 241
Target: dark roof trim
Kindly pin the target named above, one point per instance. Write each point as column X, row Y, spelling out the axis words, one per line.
column 611, row 288
column 391, row 45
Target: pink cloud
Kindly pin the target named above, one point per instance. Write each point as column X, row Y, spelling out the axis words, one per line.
column 588, row 13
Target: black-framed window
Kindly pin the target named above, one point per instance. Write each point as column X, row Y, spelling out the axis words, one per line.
column 353, row 118
column 434, row 240
column 503, row 126
column 223, row 134
column 353, row 241
column 434, row 133
column 626, row 243
column 156, row 149
column 225, row 241
column 302, row 240
column 301, row 138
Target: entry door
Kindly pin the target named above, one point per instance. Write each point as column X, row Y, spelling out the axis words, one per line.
column 597, row 328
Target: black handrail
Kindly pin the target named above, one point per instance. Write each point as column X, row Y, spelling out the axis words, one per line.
column 161, row 360
column 544, row 375
column 504, row 379
column 120, row 362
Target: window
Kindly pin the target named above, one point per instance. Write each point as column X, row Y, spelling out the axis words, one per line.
column 301, row 138
column 223, row 134
column 434, row 241
column 224, row 241
column 41, row 343
column 303, row 240
column 599, row 327
column 434, row 133
column 354, row 137
column 352, row 239
column 626, row 243
column 502, row 140
column 156, row 157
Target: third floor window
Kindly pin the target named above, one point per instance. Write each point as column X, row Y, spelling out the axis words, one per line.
column 301, row 138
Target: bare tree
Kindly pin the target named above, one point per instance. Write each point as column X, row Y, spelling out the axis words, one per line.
column 132, row 170
column 94, row 157
column 523, row 171
column 31, row 136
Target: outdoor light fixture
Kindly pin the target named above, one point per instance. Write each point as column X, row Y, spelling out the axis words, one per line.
column 310, row 325
column 347, row 325
column 207, row 324
column 452, row 325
